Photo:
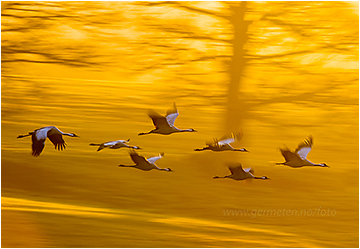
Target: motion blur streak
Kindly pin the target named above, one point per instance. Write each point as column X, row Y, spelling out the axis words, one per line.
column 278, row 71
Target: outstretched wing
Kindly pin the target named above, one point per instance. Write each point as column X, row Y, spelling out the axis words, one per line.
column 231, row 138
column 214, row 143
column 250, row 170
column 118, row 144
column 304, row 147
column 238, row 135
column 37, row 145
column 226, row 141
column 158, row 120
column 288, row 155
column 171, row 115
column 57, row 140
column 155, row 158
column 237, row 170
column 137, row 158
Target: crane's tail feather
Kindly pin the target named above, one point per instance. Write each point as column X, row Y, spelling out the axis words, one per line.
column 122, row 165
column 100, row 148
column 201, row 149
column 21, row 136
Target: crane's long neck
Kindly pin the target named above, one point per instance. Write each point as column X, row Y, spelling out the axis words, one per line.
column 185, row 130
column 70, row 134
column 316, row 164
column 260, row 177
column 162, row 169
column 133, row 147
column 165, row 169
column 129, row 146
column 50, row 130
column 320, row 164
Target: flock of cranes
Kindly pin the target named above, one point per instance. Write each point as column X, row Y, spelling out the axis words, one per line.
column 165, row 125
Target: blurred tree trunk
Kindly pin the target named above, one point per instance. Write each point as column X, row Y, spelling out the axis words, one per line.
column 236, row 66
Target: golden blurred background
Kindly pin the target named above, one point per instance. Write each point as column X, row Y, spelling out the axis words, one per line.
column 277, row 70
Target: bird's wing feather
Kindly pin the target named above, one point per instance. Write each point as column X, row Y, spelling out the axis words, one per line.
column 236, row 169
column 37, row 145
column 249, row 170
column 158, row 120
column 238, row 135
column 42, row 133
column 231, row 138
column 155, row 158
column 118, row 145
column 171, row 118
column 172, row 110
column 137, row 158
column 214, row 143
column 121, row 141
column 226, row 141
column 171, row 115
column 303, row 152
column 110, row 143
column 304, row 147
column 288, row 155
column 58, row 141
column 234, row 135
